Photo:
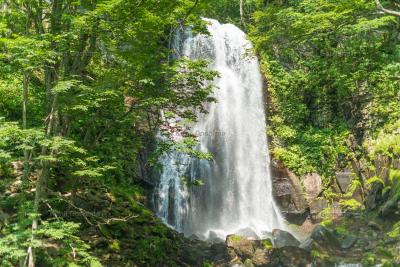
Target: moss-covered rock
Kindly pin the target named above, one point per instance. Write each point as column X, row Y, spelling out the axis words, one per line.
column 242, row 246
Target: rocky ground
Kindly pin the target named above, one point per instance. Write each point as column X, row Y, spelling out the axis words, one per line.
column 368, row 236
column 348, row 240
column 121, row 231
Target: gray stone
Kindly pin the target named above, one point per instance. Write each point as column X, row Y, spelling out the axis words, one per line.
column 358, row 194
column 324, row 238
column 349, row 241
column 317, row 205
column 283, row 239
column 307, row 244
column 313, row 185
column 219, row 251
column 344, row 179
column 247, row 232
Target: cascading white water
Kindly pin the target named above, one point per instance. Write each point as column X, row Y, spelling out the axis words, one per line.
column 237, row 193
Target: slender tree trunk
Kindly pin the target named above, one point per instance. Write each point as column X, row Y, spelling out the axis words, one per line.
column 41, row 183
column 24, row 124
column 241, row 12
column 51, row 109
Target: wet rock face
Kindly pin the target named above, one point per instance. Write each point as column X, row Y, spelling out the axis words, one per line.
column 289, row 193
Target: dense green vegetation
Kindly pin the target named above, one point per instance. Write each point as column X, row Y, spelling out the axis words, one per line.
column 333, row 74
column 82, row 84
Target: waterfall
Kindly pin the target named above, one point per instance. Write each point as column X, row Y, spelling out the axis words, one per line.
column 236, row 196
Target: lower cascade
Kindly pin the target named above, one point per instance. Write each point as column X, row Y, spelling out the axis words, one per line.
column 236, row 196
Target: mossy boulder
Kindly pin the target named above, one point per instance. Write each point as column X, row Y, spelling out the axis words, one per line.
column 261, row 257
column 242, row 246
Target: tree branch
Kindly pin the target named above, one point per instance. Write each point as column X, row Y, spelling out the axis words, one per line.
column 387, row 11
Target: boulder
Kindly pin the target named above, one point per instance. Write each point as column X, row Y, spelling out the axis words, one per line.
column 193, row 254
column 324, row 239
column 219, row 252
column 283, row 239
column 312, row 185
column 316, row 206
column 344, row 179
column 247, row 232
column 358, row 194
column 243, row 247
column 290, row 257
column 349, row 241
column 283, row 191
column 261, row 257
column 307, row 244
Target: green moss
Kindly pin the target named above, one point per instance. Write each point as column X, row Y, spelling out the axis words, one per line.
column 387, row 263
column 236, row 238
column 350, row 204
column 267, row 244
column 342, row 230
column 384, row 252
column 114, row 245
column 368, row 259
column 395, row 232
column 317, row 254
column 248, row 263
column 327, row 222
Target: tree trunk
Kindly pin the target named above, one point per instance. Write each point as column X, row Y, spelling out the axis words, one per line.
column 24, row 124
column 41, row 183
column 241, row 13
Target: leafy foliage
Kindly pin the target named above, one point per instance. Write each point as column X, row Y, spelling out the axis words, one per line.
column 332, row 71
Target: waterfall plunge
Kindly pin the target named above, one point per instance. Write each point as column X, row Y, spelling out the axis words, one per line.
column 237, row 193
